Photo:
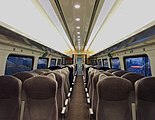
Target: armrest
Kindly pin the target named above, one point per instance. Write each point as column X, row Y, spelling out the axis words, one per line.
column 84, row 84
column 69, row 95
column 91, row 111
column 91, row 114
column 88, row 100
column 74, row 78
column 86, row 90
column 66, row 102
column 63, row 113
column 71, row 89
column 87, row 95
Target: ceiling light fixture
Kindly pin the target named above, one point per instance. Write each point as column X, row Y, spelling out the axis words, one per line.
column 78, row 36
column 78, row 27
column 77, row 6
column 77, row 19
column 78, row 32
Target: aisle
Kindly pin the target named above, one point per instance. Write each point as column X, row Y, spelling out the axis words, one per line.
column 78, row 109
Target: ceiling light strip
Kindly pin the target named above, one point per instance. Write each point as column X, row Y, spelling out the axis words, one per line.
column 64, row 20
column 91, row 22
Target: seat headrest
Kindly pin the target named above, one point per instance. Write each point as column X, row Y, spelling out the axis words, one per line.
column 114, row 88
column 58, row 78
column 55, row 67
column 39, row 71
column 108, row 73
column 10, row 87
column 24, row 75
column 132, row 77
column 111, row 70
column 40, row 87
column 96, row 78
column 119, row 73
column 145, row 88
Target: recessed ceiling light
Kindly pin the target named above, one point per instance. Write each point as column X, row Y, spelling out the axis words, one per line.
column 78, row 32
column 77, row 6
column 78, row 36
column 77, row 19
column 78, row 27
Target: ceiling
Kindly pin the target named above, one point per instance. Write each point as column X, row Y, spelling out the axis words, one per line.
column 102, row 23
column 77, row 18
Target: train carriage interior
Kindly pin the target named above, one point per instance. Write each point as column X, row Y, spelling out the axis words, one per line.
column 77, row 60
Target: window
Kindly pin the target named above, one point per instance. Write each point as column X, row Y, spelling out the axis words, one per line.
column 115, row 63
column 42, row 63
column 105, row 63
column 59, row 62
column 53, row 62
column 69, row 61
column 99, row 62
column 94, row 62
column 16, row 63
column 138, row 64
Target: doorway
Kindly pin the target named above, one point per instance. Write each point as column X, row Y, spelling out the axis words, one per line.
column 79, row 65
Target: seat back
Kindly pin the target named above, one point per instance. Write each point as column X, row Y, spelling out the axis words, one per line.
column 90, row 74
column 94, row 91
column 119, row 73
column 111, row 70
column 38, row 71
column 145, row 98
column 70, row 68
column 51, row 75
column 66, row 81
column 41, row 100
column 132, row 77
column 107, row 73
column 24, row 75
column 46, row 70
column 113, row 99
column 10, row 88
column 60, row 91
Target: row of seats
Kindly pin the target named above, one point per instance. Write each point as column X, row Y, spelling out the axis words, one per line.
column 41, row 94
column 112, row 95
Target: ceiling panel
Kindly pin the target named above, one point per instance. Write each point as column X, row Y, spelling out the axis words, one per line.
column 70, row 13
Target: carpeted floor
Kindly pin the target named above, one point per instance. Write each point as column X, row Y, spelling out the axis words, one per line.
column 78, row 108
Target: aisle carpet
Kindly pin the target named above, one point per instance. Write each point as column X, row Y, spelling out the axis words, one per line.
column 78, row 108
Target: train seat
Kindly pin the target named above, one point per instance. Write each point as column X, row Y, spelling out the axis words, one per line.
column 132, row 77
column 41, row 102
column 113, row 99
column 10, row 100
column 145, row 98
column 112, row 70
column 119, row 73
column 24, row 75
column 60, row 91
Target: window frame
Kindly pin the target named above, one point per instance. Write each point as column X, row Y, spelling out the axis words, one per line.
column 43, row 58
column 17, row 55
column 55, row 61
column 134, row 56
column 60, row 62
column 103, row 62
column 99, row 60
column 111, row 62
